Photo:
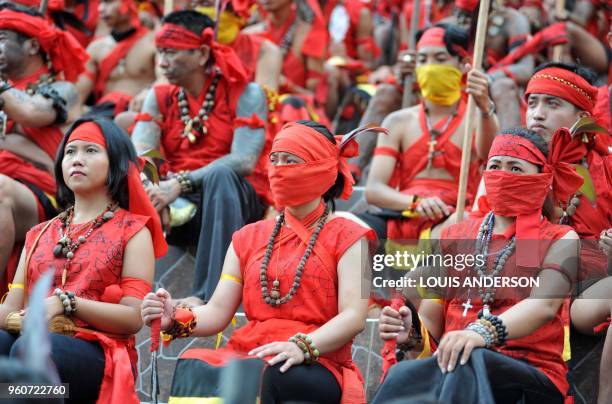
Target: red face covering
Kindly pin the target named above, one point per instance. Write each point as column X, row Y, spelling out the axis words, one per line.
column 138, row 199
column 523, row 195
column 296, row 184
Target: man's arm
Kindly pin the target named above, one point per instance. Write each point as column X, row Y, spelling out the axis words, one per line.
column 248, row 143
column 518, row 25
column 269, row 65
column 48, row 106
column 147, row 134
column 85, row 83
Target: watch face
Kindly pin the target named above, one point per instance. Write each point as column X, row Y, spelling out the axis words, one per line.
column 339, row 23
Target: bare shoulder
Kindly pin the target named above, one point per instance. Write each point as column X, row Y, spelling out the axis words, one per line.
column 255, row 28
column 401, row 118
column 99, row 47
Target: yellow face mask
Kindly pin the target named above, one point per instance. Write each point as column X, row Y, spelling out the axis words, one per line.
column 229, row 24
column 440, row 84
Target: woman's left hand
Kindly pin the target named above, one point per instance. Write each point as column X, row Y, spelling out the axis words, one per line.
column 452, row 344
column 288, row 352
column 54, row 307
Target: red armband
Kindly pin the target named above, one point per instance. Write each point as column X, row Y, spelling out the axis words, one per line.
column 254, row 122
column 386, row 151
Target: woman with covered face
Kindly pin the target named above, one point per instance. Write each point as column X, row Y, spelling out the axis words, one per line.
column 498, row 344
column 298, row 278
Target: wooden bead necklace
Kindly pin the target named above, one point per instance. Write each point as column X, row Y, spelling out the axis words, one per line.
column 274, row 297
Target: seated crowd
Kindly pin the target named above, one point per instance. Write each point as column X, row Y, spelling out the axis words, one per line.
column 234, row 127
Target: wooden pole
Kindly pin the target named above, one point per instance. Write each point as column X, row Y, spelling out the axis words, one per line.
column 168, row 6
column 558, row 49
column 414, row 24
column 481, row 34
column 43, row 6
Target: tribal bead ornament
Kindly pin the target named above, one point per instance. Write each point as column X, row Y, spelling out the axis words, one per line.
column 274, row 297
column 196, row 126
column 66, row 247
column 485, row 232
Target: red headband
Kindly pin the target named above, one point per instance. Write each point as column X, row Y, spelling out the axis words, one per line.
column 138, row 198
column 565, row 178
column 432, row 37
column 564, row 84
column 312, row 147
column 468, row 5
column 172, row 36
column 66, row 54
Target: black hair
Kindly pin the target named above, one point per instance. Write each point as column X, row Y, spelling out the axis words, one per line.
column 190, row 20
column 584, row 72
column 454, row 36
column 336, row 190
column 120, row 152
column 548, row 209
column 20, row 8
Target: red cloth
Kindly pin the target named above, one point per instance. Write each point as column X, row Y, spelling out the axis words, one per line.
column 97, row 264
column 565, row 179
column 544, row 347
column 172, row 36
column 131, row 287
column 119, row 99
column 601, row 112
column 548, row 37
column 112, row 59
column 323, row 161
column 414, row 159
column 138, row 199
column 436, row 13
column 316, row 300
column 247, row 49
column 432, row 37
column 66, row 54
column 468, row 5
column 87, row 12
column 564, row 84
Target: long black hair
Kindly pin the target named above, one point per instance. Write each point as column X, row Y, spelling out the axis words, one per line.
column 120, row 152
column 336, row 190
column 548, row 209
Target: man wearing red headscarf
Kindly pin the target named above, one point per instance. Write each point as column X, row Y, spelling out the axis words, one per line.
column 38, row 61
column 210, row 125
column 415, row 169
column 262, row 59
column 79, row 17
column 122, row 63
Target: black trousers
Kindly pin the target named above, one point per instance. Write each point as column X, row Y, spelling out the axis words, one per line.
column 79, row 363
column 300, row 384
column 487, row 378
column 226, row 202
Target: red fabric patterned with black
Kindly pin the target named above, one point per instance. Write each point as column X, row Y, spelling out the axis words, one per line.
column 544, row 347
column 95, row 271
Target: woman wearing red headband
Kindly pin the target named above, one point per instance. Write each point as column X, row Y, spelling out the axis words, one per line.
column 101, row 252
column 522, row 327
column 299, row 279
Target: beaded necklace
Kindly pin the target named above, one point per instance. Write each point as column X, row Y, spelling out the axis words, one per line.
column 196, row 126
column 274, row 298
column 43, row 80
column 66, row 247
column 483, row 240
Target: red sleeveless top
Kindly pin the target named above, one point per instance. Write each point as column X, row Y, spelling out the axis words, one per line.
column 316, row 300
column 414, row 159
column 95, row 274
column 182, row 155
column 543, row 348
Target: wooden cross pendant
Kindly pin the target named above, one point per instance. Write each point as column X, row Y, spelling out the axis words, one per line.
column 466, row 306
column 432, row 152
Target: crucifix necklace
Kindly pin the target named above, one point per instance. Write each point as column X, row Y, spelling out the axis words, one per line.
column 467, row 305
column 435, row 133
